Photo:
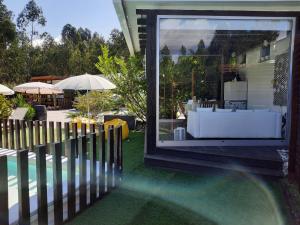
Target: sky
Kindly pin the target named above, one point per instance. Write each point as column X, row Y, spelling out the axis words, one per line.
column 96, row 15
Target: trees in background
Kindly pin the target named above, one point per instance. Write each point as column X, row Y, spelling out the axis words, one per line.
column 75, row 54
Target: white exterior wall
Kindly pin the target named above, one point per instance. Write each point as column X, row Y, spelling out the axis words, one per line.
column 260, row 76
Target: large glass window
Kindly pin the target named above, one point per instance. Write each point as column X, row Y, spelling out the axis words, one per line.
column 223, row 78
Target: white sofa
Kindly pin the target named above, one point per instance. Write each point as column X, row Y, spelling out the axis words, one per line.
column 239, row 124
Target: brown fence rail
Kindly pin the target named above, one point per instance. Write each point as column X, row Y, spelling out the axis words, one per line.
column 43, row 139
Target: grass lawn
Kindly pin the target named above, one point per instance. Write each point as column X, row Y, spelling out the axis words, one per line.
column 151, row 196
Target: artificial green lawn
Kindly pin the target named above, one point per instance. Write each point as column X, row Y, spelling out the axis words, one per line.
column 159, row 197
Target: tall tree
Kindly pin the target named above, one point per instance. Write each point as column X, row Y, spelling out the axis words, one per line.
column 31, row 16
column 69, row 34
column 7, row 27
column 117, row 44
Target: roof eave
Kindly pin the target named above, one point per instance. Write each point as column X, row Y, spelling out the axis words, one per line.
column 121, row 12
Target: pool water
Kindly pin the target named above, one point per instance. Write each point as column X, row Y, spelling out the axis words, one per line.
column 12, row 171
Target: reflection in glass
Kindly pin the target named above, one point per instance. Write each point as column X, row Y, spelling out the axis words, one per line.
column 223, row 78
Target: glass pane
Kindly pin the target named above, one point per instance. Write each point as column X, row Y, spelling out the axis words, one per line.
column 223, row 78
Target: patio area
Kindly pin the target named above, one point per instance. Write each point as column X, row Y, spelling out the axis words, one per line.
column 156, row 196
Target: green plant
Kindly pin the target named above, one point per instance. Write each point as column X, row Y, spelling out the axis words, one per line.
column 5, row 107
column 96, row 102
column 129, row 78
column 19, row 101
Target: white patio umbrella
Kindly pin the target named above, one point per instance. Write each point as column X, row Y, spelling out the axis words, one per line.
column 38, row 88
column 86, row 82
column 5, row 90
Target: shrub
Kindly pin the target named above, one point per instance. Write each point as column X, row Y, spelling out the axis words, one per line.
column 96, row 102
column 5, row 107
column 19, row 101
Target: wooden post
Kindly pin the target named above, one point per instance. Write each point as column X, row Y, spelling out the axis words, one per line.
column 23, row 187
column 11, row 134
column 75, row 136
column 121, row 151
column 58, row 132
column 51, row 132
column 93, row 172
column 56, row 151
column 24, row 137
column 67, row 130
column 102, row 160
column 67, row 134
column 5, row 133
column 83, row 129
column 1, row 127
column 41, row 180
column 30, row 135
column 92, row 128
column 18, row 135
column 4, row 208
column 82, row 173
column 37, row 132
column 118, row 153
column 110, row 143
column 71, row 166
column 44, row 132
column 115, row 160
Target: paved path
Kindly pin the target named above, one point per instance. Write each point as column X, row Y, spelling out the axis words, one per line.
column 58, row 116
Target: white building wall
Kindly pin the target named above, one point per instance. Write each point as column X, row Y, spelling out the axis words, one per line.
column 260, row 76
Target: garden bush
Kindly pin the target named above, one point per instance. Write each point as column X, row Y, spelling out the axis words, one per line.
column 19, row 101
column 96, row 102
column 5, row 107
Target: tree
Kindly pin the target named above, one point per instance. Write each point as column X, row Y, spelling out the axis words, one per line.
column 117, row 44
column 31, row 15
column 69, row 34
column 7, row 27
column 129, row 77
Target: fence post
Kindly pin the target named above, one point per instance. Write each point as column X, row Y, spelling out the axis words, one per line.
column 51, row 132
column 70, row 145
column 37, row 132
column 67, row 130
column 5, row 133
column 30, row 135
column 44, row 132
column 110, row 143
column 121, row 151
column 1, row 127
column 24, row 137
column 92, row 128
column 67, row 134
column 4, row 209
column 18, row 136
column 58, row 132
column 93, row 172
column 75, row 136
column 41, row 180
column 56, row 150
column 83, row 129
column 118, row 154
column 82, row 173
column 23, row 187
column 11, row 134
column 102, row 160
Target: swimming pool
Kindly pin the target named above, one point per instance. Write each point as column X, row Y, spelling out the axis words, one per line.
column 13, row 185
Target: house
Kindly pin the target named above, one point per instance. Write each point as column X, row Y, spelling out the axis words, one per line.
column 223, row 82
